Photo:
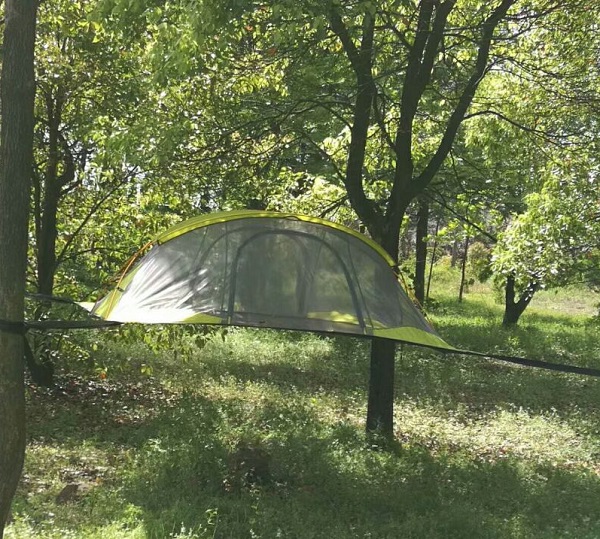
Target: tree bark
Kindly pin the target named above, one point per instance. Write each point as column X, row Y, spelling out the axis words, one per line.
column 16, row 148
column 380, row 411
column 46, row 229
column 421, row 250
column 432, row 259
column 463, row 269
column 514, row 309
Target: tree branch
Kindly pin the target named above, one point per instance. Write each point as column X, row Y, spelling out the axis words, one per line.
column 460, row 217
column 457, row 117
column 547, row 136
column 361, row 61
column 418, row 73
column 90, row 214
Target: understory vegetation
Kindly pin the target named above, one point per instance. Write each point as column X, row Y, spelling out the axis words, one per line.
column 257, row 433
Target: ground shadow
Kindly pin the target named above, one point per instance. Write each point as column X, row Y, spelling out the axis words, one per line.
column 325, row 482
column 322, row 476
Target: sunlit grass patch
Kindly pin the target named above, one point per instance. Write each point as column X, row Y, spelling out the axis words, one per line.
column 573, row 301
column 497, row 434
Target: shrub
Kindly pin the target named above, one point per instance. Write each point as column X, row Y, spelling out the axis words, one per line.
column 480, row 258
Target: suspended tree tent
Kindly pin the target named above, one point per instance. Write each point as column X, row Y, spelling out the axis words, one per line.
column 266, row 269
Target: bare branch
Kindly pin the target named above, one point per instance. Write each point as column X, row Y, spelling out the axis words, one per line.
column 546, row 135
column 95, row 207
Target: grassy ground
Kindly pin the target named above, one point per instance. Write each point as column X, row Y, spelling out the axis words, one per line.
column 261, row 435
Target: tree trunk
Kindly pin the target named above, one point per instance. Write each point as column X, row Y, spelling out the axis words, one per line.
column 16, row 148
column 380, row 412
column 455, row 253
column 514, row 309
column 463, row 270
column 432, row 260
column 421, row 250
column 40, row 364
column 384, row 230
column 46, row 230
column 48, row 194
column 384, row 226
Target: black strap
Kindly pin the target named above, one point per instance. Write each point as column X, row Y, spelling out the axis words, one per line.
column 535, row 363
column 560, row 367
column 55, row 299
column 70, row 324
column 18, row 328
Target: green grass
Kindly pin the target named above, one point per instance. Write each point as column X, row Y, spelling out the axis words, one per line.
column 484, row 450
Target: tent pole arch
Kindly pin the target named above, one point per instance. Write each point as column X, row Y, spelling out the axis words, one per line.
column 349, row 281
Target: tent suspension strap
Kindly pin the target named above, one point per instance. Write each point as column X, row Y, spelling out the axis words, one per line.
column 20, row 328
column 16, row 328
column 54, row 299
column 536, row 363
column 70, row 324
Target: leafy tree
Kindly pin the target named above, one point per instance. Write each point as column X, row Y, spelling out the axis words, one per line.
column 546, row 117
column 85, row 127
column 423, row 72
column 553, row 241
column 86, row 86
column 16, row 145
column 373, row 94
column 369, row 100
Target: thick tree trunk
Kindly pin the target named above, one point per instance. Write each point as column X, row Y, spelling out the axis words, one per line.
column 16, row 143
column 421, row 250
column 514, row 309
column 380, row 412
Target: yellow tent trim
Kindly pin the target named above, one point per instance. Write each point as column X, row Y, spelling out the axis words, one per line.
column 334, row 316
column 345, row 318
column 105, row 308
column 413, row 335
column 200, row 318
